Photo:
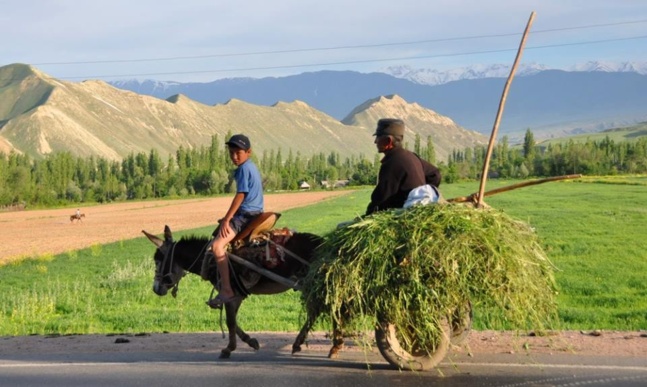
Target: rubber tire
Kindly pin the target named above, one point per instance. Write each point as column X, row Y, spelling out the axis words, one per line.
column 392, row 351
column 461, row 325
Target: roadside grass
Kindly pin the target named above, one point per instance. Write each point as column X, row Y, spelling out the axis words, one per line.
column 593, row 230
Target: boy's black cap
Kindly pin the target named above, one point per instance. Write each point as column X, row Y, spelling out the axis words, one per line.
column 390, row 126
column 239, row 141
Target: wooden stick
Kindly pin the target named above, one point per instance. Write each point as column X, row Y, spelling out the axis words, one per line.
column 291, row 254
column 504, row 96
column 470, row 198
column 265, row 272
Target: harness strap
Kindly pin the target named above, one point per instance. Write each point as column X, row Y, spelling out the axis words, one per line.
column 169, row 254
column 176, row 286
column 222, row 329
column 265, row 272
column 291, row 254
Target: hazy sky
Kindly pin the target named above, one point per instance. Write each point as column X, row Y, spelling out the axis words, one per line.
column 204, row 40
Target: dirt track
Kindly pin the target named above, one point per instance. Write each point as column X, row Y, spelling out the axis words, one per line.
column 602, row 344
column 39, row 232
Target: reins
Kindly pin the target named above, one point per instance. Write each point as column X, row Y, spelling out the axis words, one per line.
column 200, row 254
column 169, row 274
column 170, row 255
column 159, row 277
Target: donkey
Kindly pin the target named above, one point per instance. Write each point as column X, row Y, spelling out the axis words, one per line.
column 173, row 259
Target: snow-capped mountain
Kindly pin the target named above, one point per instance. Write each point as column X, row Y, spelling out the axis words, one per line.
column 612, row 67
column 436, row 77
column 148, row 86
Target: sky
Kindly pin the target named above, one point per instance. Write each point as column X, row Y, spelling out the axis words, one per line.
column 206, row 40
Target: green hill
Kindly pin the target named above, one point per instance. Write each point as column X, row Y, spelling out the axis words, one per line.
column 630, row 133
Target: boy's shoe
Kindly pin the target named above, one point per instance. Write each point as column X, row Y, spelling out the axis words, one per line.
column 218, row 301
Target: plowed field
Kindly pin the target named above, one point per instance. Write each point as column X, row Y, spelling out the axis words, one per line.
column 33, row 233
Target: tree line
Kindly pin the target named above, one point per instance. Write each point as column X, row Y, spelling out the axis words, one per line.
column 592, row 157
column 61, row 178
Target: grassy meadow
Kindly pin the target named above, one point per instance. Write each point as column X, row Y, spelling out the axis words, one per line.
column 593, row 231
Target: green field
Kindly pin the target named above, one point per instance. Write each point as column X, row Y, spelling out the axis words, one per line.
column 593, row 230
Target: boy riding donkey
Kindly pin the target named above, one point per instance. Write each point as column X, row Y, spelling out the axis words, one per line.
column 246, row 205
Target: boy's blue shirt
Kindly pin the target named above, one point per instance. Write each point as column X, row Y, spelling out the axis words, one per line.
column 249, row 181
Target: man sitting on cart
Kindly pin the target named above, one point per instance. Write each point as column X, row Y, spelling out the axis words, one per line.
column 404, row 178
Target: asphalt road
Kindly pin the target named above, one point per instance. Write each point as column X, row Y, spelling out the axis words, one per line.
column 277, row 367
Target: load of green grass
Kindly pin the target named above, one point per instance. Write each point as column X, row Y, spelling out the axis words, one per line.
column 417, row 267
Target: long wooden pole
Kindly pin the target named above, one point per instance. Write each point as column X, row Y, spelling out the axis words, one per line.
column 470, row 198
column 504, row 96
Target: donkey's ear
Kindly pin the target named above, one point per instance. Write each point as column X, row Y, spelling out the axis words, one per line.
column 156, row 241
column 168, row 235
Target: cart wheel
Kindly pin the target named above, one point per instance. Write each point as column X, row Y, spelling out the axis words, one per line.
column 461, row 324
column 419, row 359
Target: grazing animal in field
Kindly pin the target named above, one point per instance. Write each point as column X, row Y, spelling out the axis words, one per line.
column 173, row 258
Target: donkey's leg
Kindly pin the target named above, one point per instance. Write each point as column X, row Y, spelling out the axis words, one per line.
column 303, row 333
column 252, row 342
column 337, row 341
column 231, row 310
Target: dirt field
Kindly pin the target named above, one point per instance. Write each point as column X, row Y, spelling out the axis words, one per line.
column 34, row 233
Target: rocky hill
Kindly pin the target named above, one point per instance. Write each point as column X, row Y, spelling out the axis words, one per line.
column 444, row 132
column 40, row 114
column 552, row 103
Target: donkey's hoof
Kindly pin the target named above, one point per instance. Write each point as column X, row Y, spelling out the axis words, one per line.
column 225, row 354
column 296, row 348
column 254, row 344
column 334, row 352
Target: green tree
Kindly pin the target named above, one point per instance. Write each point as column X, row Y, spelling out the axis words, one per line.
column 430, row 151
column 19, row 184
column 416, row 145
column 528, row 145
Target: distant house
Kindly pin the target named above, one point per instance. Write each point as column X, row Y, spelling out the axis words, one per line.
column 334, row 184
column 304, row 185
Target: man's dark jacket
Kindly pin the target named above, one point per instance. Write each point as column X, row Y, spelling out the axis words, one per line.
column 401, row 171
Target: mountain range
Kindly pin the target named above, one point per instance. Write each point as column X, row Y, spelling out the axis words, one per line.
column 425, row 76
column 552, row 103
column 40, row 114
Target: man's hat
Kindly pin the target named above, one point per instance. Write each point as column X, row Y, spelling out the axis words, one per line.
column 390, row 126
column 239, row 141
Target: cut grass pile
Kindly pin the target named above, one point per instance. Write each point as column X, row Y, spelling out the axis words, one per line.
column 417, row 267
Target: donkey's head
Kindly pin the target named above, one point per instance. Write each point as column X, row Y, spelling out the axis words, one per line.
column 168, row 272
